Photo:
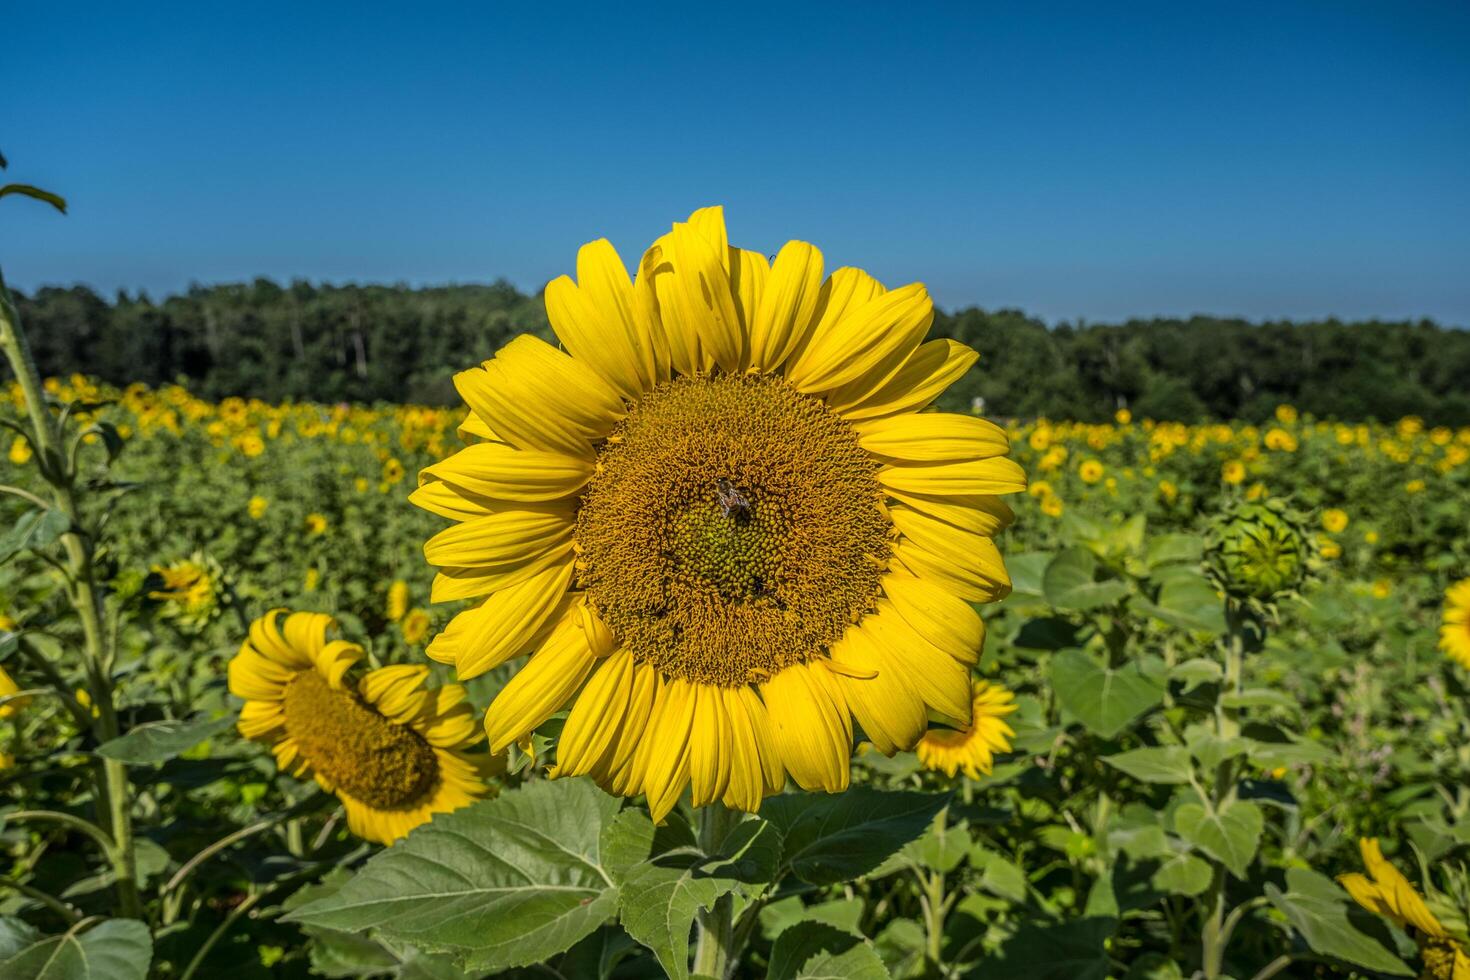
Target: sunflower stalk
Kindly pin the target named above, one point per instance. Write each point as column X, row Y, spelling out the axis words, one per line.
column 114, row 790
column 717, row 951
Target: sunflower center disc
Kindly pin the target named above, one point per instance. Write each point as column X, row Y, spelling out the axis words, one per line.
column 733, row 529
column 356, row 749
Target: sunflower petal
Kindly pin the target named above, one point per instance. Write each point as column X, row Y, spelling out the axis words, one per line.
column 810, row 726
column 498, row 470
column 788, row 306
column 884, row 330
column 542, row 687
column 924, row 376
column 933, row 437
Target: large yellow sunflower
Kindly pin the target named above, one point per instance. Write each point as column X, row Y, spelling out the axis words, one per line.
column 393, row 751
column 972, row 749
column 1454, row 635
column 1386, row 892
column 721, row 520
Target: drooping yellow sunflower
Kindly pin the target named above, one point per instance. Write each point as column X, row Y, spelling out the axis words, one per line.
column 721, row 521
column 1454, row 635
column 1386, row 892
column 972, row 749
column 392, row 750
column 188, row 590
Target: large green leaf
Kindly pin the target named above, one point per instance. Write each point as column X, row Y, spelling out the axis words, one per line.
column 159, row 741
column 1230, row 832
column 1161, row 764
column 1320, row 911
column 118, row 949
column 1187, row 600
column 1075, row 950
column 1106, row 699
column 1182, row 874
column 503, row 883
column 35, row 529
column 1069, row 583
column 817, row 951
column 829, row 839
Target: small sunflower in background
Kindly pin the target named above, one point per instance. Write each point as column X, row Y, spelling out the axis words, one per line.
column 1233, row 472
column 415, row 627
column 1334, row 520
column 721, row 520
column 394, row 751
column 397, row 604
column 1091, row 471
column 972, row 749
column 1436, row 921
column 187, row 591
column 1454, row 634
column 257, row 507
column 315, row 524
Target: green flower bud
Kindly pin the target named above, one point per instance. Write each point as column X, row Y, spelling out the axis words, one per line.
column 1258, row 551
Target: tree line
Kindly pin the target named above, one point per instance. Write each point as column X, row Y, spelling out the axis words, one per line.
column 395, row 343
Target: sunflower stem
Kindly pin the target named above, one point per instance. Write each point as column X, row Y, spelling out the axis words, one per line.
column 717, row 952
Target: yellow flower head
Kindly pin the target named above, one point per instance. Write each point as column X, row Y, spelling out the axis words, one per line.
column 1454, row 634
column 415, row 626
column 1233, row 471
column 1168, row 491
column 1386, row 892
column 187, row 590
column 397, row 600
column 257, row 507
column 1122, row 416
column 1286, row 414
column 392, row 471
column 394, row 751
column 20, row 450
column 721, row 519
column 1281, row 441
column 1052, row 506
column 1414, row 486
column 315, row 524
column 8, row 686
column 1091, row 471
column 1382, row 588
column 1334, row 521
column 972, row 749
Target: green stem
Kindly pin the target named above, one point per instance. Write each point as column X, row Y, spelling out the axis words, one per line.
column 115, row 793
column 934, row 909
column 717, row 952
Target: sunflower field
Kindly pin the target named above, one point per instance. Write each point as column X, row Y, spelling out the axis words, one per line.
column 1131, row 700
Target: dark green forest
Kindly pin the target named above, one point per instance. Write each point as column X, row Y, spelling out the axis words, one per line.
column 393, row 343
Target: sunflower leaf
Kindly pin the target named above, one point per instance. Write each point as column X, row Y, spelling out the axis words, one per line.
column 117, row 949
column 159, row 741
column 1106, row 699
column 831, row 839
column 503, row 883
column 817, row 951
column 1318, row 908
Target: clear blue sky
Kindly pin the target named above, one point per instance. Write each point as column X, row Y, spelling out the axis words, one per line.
column 1088, row 160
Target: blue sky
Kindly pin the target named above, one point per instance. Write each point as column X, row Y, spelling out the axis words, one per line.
column 1088, row 160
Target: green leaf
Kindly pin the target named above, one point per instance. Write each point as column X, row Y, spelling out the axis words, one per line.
column 1168, row 549
column 15, row 935
column 816, row 951
column 1182, row 874
column 502, row 883
column 660, row 899
column 778, row 916
column 1162, row 764
column 1075, row 950
column 1188, row 601
column 35, row 529
column 1106, row 699
column 1259, row 697
column 1196, row 671
column 26, row 190
column 1230, row 834
column 117, row 949
column 1069, row 582
column 1319, row 910
column 942, row 848
column 159, row 741
column 998, row 875
column 829, row 839
column 1270, row 755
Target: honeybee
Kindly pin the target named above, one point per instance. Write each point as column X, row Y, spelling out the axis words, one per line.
column 732, row 501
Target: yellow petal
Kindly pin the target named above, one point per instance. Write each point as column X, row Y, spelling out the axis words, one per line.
column 710, row 746
column 788, row 306
column 924, row 376
column 438, row 497
column 968, row 478
column 595, row 721
column 500, row 539
column 942, row 618
column 473, row 429
column 498, row 470
column 883, row 331
column 257, row 678
column 981, row 579
column 595, row 320
column 468, row 583
column 941, row 681
column 749, row 272
column 503, row 626
column 932, row 437
column 261, row 720
column 541, row 688
column 890, row 712
column 667, row 770
column 846, row 289
column 623, row 774
column 810, row 726
column 334, row 660
column 537, row 397
column 646, row 312
column 984, row 514
column 746, row 787
column 702, row 298
column 397, row 690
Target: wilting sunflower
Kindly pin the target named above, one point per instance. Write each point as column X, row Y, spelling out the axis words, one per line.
column 392, row 750
column 1454, row 635
column 1441, row 938
column 721, row 521
column 187, row 591
column 972, row 749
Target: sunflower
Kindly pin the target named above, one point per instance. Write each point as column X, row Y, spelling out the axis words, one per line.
column 393, row 751
column 187, row 591
column 1386, row 892
column 971, row 749
column 397, row 600
column 8, row 687
column 1334, row 520
column 721, row 521
column 315, row 524
column 1454, row 635
column 257, row 507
